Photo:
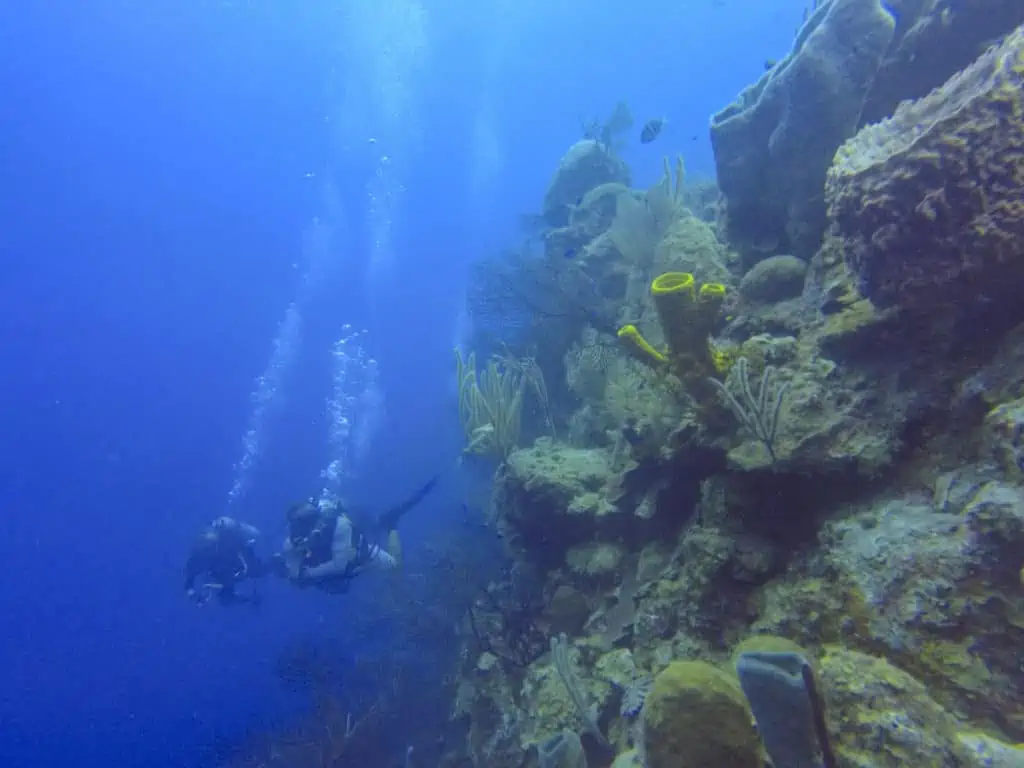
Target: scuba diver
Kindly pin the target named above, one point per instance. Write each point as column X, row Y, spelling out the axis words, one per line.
column 221, row 558
column 326, row 548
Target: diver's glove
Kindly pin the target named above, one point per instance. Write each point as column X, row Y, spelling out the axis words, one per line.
column 202, row 596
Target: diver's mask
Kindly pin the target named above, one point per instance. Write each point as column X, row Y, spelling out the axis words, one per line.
column 303, row 522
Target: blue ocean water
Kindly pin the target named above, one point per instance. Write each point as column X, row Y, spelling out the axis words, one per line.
column 179, row 174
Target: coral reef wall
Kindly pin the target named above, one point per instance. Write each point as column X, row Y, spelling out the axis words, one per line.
column 811, row 461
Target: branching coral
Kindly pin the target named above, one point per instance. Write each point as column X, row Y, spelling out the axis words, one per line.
column 757, row 411
column 533, row 379
column 560, row 656
column 490, row 406
column 665, row 199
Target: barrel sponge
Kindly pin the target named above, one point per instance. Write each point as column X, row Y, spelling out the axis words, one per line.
column 696, row 716
column 927, row 204
column 774, row 144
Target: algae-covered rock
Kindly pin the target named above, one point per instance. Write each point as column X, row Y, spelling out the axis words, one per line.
column 587, row 165
column 988, row 752
column 952, row 491
column 1000, row 379
column 617, row 667
column 1004, row 427
column 595, row 558
column 774, row 279
column 827, row 424
column 552, row 494
column 568, row 610
column 563, row 750
column 630, row 759
column 566, row 506
column 928, row 202
column 487, row 662
column 811, row 610
column 881, row 717
column 940, row 593
column 696, row 717
column 493, row 721
column 690, row 598
column 550, row 705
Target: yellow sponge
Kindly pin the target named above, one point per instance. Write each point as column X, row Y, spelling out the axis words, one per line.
column 675, row 298
column 682, row 283
column 639, row 347
column 711, row 296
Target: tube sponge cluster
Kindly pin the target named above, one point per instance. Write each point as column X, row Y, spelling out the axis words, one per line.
column 688, row 314
column 927, row 204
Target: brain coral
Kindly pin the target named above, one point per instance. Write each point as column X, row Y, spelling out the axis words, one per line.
column 928, row 203
column 696, row 717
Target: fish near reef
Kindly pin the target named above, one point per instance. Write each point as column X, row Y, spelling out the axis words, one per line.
column 651, row 130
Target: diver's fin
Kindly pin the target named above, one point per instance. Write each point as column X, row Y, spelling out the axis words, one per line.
column 389, row 520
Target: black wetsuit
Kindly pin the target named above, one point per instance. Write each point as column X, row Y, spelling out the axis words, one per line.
column 316, row 546
column 223, row 560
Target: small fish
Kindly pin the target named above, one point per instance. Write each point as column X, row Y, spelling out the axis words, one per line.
column 570, row 253
column 769, row 64
column 651, row 130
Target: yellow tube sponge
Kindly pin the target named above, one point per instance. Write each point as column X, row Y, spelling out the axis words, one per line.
column 710, row 299
column 639, row 347
column 675, row 298
column 674, row 283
